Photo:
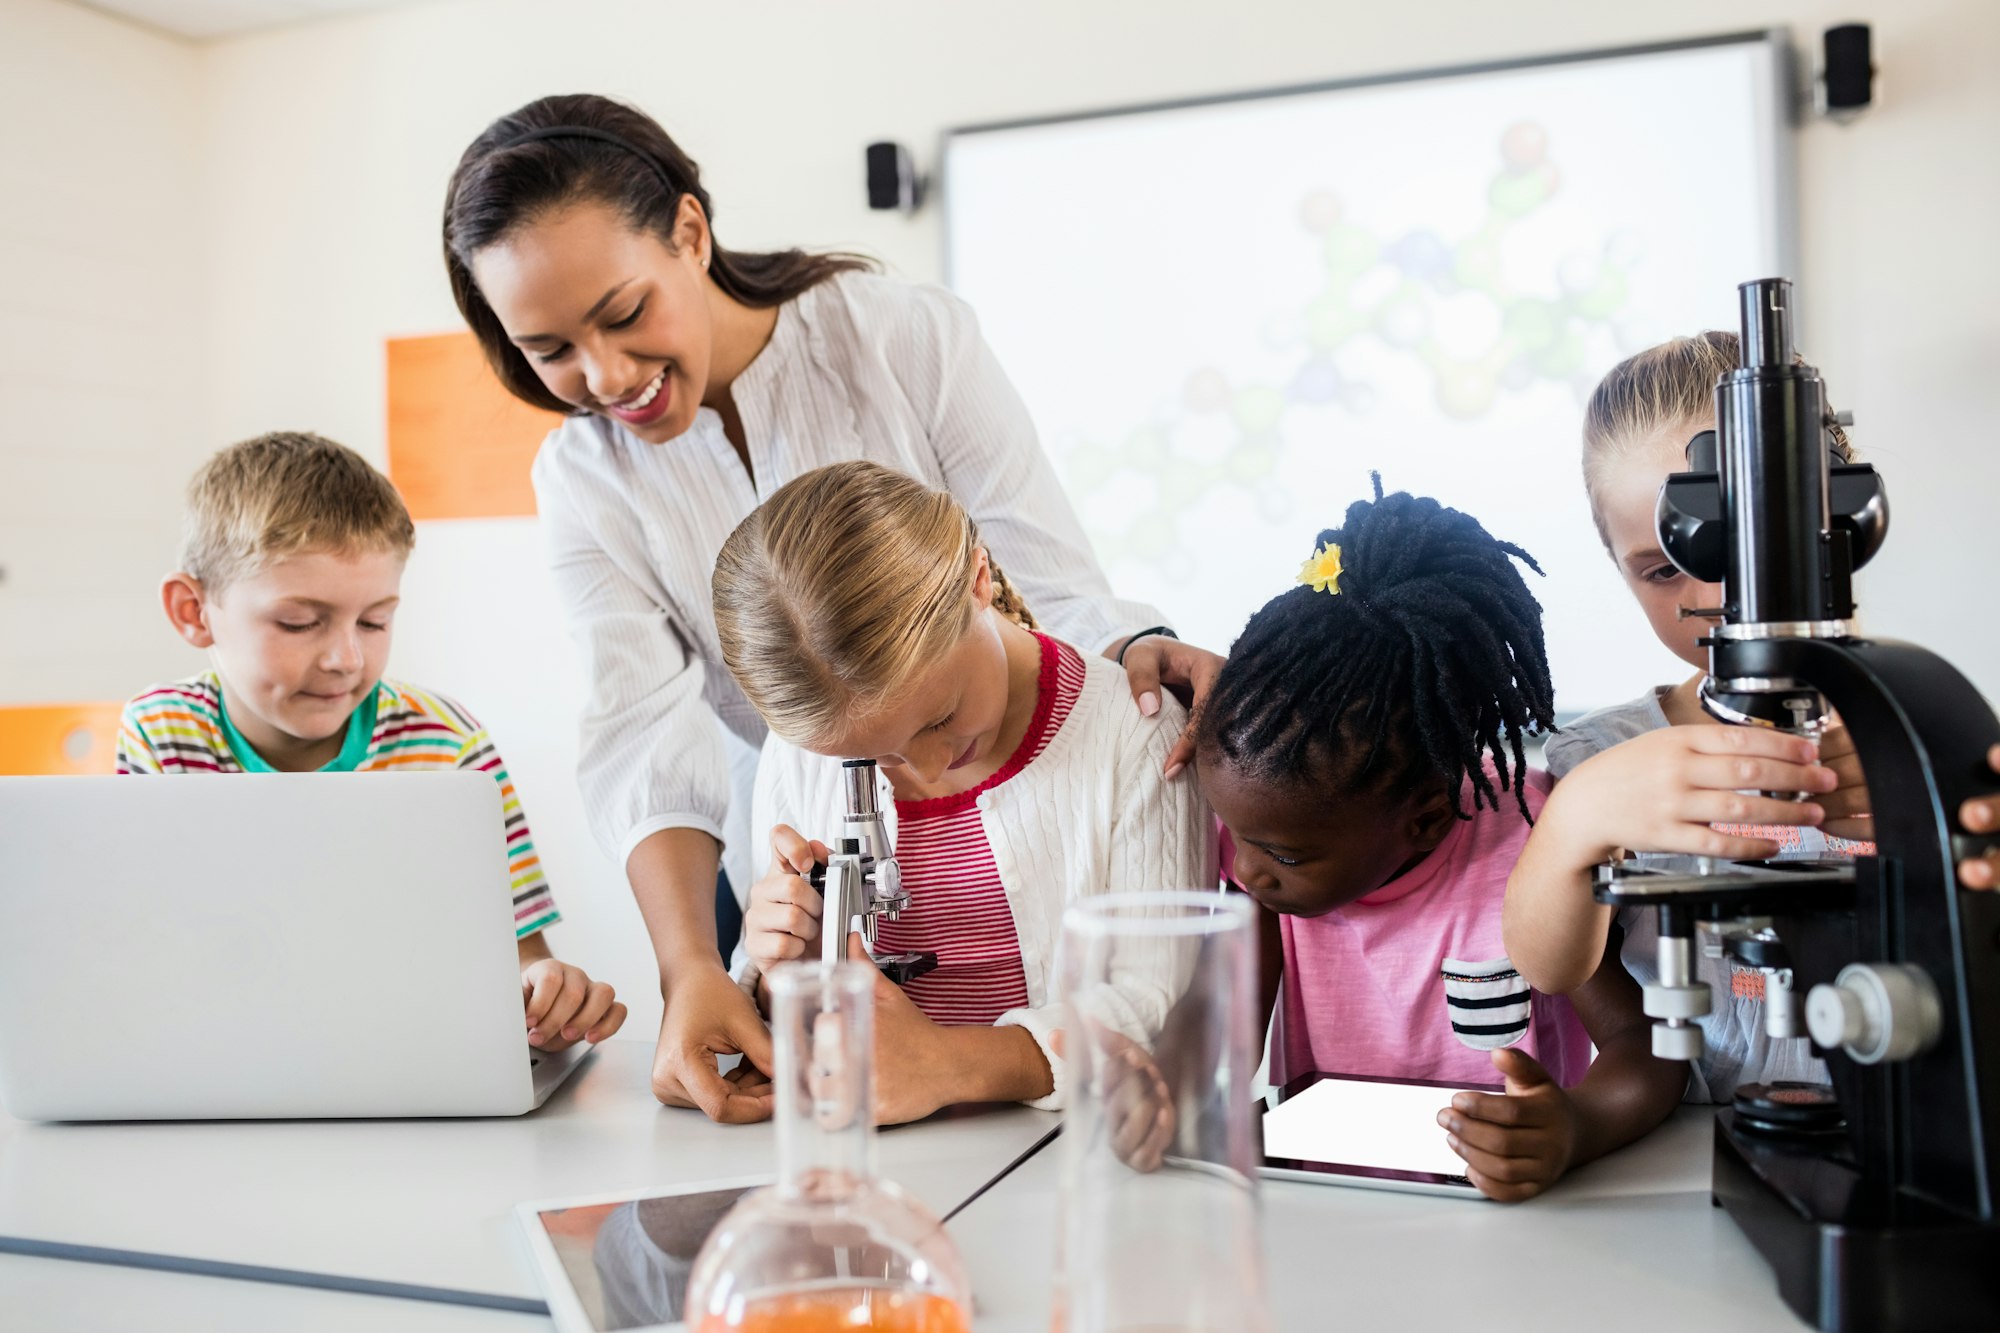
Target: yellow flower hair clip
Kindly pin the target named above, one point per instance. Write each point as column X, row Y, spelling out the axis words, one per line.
column 1322, row 572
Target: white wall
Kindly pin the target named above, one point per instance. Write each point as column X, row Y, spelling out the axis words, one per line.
column 327, row 147
column 101, row 325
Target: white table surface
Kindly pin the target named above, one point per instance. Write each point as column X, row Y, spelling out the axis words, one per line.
column 1631, row 1242
column 419, row 1201
column 55, row 1296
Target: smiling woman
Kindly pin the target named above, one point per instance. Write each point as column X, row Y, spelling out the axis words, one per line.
column 698, row 380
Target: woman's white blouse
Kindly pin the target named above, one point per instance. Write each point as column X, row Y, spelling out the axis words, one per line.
column 858, row 367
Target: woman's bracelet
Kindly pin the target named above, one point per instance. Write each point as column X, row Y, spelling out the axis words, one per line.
column 1164, row 631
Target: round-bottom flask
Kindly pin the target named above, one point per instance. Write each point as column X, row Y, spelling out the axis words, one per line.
column 831, row 1245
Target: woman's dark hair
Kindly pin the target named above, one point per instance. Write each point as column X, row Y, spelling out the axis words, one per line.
column 511, row 176
column 1428, row 657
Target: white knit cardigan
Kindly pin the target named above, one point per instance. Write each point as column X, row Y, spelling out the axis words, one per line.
column 1090, row 815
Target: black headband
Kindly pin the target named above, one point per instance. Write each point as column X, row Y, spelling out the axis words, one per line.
column 602, row 136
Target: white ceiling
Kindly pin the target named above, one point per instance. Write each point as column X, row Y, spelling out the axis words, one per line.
column 203, row 19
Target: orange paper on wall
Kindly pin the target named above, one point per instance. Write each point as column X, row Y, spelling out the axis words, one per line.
column 459, row 444
column 42, row 739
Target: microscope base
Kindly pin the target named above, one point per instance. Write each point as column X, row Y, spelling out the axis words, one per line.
column 1846, row 1257
column 903, row 968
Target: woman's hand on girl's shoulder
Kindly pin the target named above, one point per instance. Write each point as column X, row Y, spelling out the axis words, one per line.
column 564, row 1006
column 783, row 917
column 1155, row 663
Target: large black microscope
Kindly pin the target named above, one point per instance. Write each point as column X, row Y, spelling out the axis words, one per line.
column 1874, row 1202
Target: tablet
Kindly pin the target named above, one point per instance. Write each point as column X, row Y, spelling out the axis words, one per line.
column 620, row 1262
column 1374, row 1132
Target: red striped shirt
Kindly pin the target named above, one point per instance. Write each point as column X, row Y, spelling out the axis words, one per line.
column 958, row 907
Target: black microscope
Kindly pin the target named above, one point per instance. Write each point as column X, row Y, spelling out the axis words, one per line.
column 1876, row 1203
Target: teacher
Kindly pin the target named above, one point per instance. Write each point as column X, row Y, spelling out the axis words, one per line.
column 697, row 380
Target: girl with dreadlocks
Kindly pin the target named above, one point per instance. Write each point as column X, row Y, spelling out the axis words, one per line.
column 1364, row 746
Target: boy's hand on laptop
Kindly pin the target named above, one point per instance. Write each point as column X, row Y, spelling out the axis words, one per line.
column 783, row 917
column 565, row 1006
column 1516, row 1144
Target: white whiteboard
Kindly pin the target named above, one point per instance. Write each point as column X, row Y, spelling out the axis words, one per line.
column 1223, row 315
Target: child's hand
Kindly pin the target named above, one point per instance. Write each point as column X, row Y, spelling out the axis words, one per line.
column 1138, row 1106
column 1982, row 815
column 783, row 916
column 1517, row 1145
column 909, row 1084
column 1662, row 791
column 565, row 1006
column 1848, row 813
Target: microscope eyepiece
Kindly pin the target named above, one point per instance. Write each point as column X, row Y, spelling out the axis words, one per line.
column 1703, row 455
column 1766, row 307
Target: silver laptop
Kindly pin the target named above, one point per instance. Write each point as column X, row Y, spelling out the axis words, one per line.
column 261, row 947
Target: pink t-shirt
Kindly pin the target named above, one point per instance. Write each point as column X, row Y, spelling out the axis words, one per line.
column 1413, row 980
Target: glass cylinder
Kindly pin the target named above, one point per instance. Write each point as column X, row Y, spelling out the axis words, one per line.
column 1159, row 1227
column 831, row 1245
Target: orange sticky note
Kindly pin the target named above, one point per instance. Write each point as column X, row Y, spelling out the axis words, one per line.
column 39, row 739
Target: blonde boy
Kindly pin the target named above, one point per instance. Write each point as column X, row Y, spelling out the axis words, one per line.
column 291, row 569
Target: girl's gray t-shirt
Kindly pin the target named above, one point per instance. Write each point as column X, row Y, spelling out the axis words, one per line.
column 1735, row 1048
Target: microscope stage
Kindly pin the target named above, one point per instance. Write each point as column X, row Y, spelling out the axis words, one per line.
column 1727, row 887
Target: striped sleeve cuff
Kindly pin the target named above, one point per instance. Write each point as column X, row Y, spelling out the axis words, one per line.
column 534, row 908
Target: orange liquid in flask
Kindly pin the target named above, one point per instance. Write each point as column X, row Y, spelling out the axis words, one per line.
column 843, row 1309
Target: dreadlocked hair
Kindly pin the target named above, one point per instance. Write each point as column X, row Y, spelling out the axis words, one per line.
column 1425, row 655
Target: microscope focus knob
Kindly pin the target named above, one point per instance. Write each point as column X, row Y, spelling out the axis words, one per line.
column 1876, row 1012
column 1674, row 1041
column 1661, row 1000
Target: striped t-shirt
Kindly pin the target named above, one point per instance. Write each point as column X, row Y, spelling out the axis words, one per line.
column 958, row 907
column 184, row 728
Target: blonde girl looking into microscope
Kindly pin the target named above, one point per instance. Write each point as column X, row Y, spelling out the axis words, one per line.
column 862, row 615
column 1658, row 774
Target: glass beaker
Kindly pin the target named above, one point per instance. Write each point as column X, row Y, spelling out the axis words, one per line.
column 1159, row 1227
column 831, row 1245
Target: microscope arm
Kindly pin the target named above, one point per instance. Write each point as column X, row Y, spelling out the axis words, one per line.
column 1925, row 732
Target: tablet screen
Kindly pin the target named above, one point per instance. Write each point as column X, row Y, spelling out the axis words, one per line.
column 627, row 1263
column 1364, row 1124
